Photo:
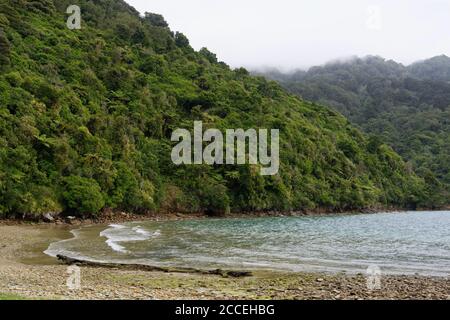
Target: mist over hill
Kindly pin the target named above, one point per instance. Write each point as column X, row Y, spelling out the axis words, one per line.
column 406, row 106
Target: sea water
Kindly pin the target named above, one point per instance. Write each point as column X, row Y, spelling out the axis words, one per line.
column 397, row 243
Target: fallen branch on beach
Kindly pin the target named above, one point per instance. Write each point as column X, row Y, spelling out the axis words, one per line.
column 143, row 267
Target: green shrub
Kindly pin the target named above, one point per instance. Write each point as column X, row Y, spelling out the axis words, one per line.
column 82, row 195
column 5, row 49
column 214, row 198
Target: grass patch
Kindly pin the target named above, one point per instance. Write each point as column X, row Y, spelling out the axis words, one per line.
column 8, row 296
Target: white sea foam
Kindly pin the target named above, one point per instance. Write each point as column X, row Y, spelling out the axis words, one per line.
column 115, row 246
column 118, row 234
column 139, row 230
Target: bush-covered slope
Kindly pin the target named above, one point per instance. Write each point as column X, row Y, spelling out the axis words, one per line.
column 86, row 118
column 408, row 107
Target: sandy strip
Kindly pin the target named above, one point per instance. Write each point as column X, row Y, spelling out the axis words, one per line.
column 26, row 272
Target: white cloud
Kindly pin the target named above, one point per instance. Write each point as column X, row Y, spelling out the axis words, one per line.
column 301, row 33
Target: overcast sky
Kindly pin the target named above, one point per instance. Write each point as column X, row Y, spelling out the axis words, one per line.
column 302, row 33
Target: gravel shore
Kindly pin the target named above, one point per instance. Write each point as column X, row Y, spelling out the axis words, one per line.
column 26, row 272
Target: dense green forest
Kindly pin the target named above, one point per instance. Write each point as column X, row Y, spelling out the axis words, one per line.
column 86, row 118
column 406, row 106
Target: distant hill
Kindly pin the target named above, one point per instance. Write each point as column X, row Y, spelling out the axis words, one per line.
column 407, row 106
column 437, row 69
column 86, row 118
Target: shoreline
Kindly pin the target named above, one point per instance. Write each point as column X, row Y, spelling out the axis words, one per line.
column 26, row 272
column 109, row 216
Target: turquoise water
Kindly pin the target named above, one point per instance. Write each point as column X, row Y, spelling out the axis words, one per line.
column 398, row 243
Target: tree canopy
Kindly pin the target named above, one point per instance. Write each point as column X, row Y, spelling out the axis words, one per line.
column 407, row 107
column 86, row 118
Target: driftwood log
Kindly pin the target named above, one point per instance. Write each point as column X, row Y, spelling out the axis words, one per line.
column 144, row 267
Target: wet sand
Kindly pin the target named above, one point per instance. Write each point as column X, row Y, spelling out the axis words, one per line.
column 26, row 272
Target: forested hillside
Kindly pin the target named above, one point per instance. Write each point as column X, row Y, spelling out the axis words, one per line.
column 408, row 107
column 86, row 118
